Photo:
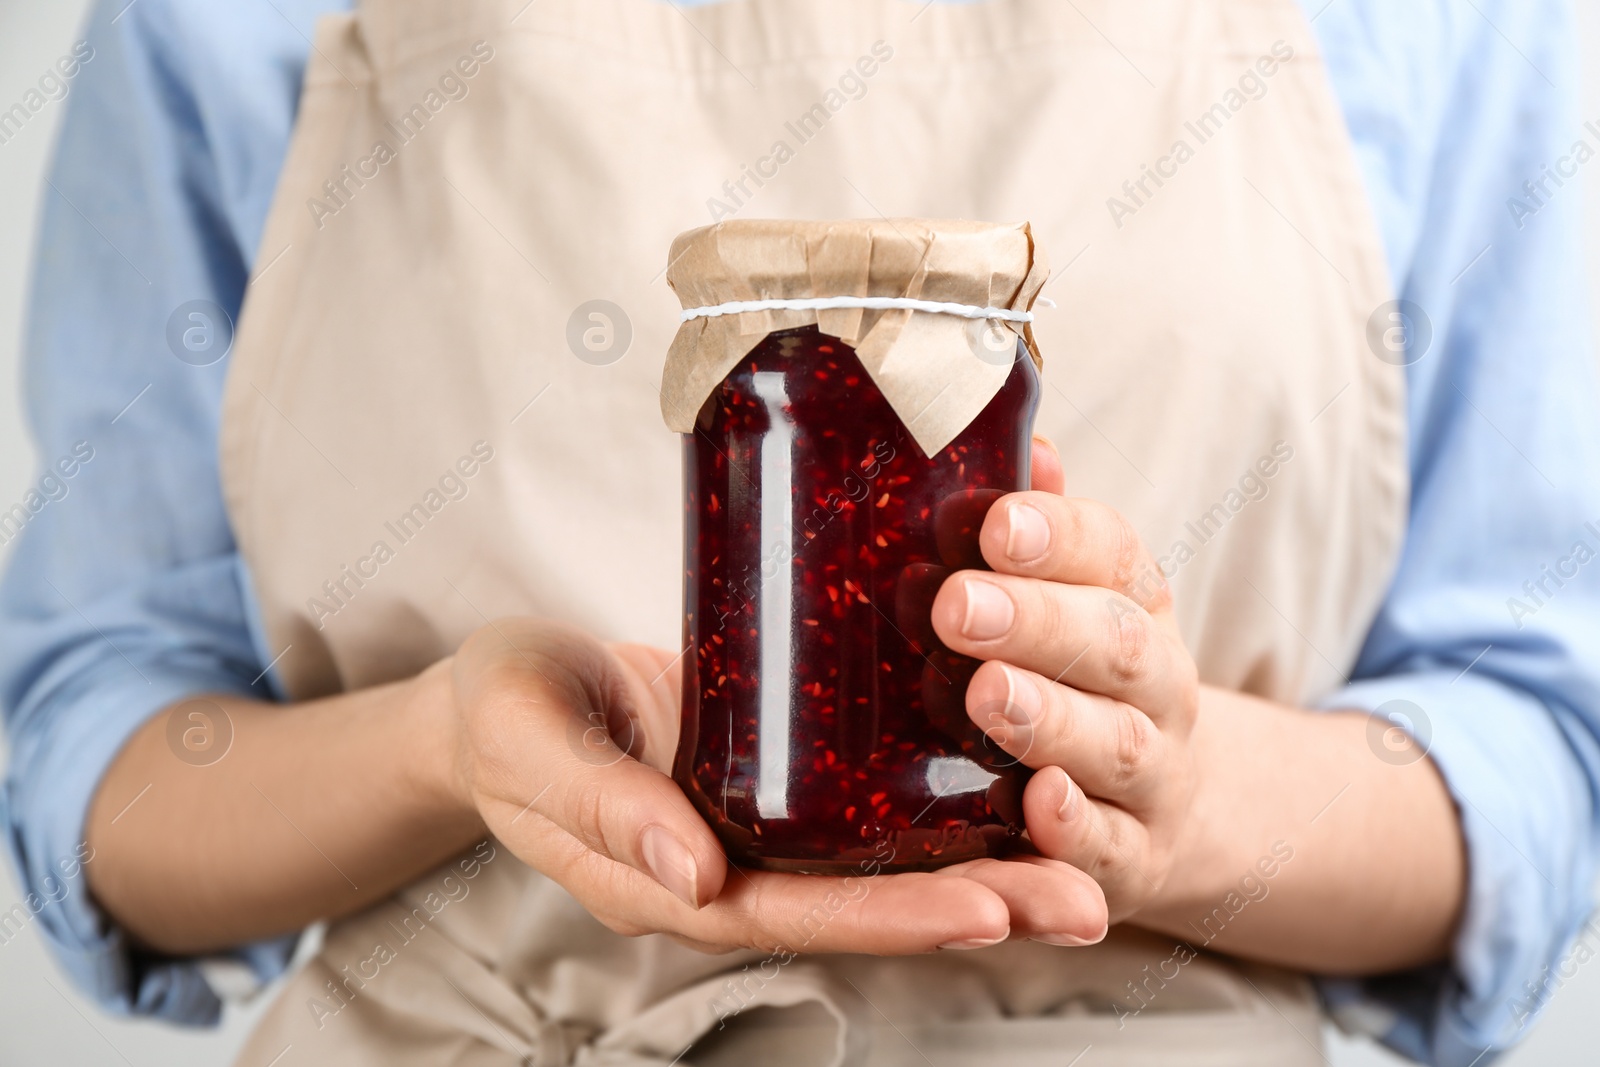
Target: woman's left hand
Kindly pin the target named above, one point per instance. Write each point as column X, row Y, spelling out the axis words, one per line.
column 1086, row 680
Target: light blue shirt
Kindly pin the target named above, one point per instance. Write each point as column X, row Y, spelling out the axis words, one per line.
column 126, row 594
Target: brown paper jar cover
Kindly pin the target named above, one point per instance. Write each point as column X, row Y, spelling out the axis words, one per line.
column 931, row 367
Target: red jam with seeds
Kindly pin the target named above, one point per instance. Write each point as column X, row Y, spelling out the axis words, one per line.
column 824, row 724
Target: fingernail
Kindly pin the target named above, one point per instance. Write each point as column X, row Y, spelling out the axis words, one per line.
column 1022, row 697
column 1069, row 804
column 671, row 863
column 1068, row 941
column 990, row 612
column 975, row 942
column 1029, row 533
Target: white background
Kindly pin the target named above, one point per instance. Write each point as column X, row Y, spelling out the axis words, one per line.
column 42, row 1020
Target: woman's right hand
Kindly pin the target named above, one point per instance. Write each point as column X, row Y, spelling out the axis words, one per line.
column 564, row 746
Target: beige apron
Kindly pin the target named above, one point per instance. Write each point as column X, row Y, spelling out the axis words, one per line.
column 423, row 409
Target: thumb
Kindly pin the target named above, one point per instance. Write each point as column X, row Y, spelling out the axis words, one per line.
column 549, row 704
column 1048, row 474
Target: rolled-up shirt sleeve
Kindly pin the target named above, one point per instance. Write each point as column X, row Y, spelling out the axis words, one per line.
column 124, row 593
column 1487, row 648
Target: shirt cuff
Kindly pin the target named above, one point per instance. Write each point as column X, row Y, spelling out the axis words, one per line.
column 1526, row 816
column 54, row 772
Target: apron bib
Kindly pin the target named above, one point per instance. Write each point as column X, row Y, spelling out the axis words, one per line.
column 456, row 337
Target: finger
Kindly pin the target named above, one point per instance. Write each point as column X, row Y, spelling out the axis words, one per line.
column 1073, row 541
column 885, row 914
column 1091, row 639
column 655, row 681
column 1048, row 900
column 1047, row 473
column 1109, row 747
column 1099, row 839
column 701, row 946
column 545, row 701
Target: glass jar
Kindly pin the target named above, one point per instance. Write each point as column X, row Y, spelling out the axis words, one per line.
column 824, row 724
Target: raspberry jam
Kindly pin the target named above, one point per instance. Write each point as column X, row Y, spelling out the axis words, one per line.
column 824, row 725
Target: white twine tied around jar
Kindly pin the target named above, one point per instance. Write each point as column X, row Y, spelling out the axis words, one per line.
column 871, row 303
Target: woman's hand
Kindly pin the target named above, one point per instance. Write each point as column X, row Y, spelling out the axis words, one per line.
column 564, row 749
column 1087, row 680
